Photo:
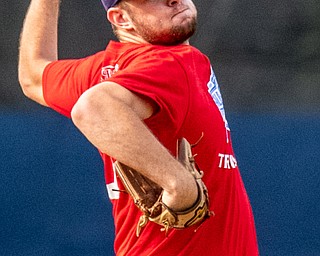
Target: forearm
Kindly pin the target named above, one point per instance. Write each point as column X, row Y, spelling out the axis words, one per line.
column 38, row 42
column 115, row 129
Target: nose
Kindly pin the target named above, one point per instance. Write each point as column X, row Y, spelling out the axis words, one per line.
column 173, row 2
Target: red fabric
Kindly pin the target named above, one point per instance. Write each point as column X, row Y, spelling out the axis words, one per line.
column 181, row 82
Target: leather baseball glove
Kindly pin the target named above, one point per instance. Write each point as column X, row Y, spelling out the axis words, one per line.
column 147, row 195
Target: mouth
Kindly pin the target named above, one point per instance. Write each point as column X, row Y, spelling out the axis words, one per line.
column 179, row 12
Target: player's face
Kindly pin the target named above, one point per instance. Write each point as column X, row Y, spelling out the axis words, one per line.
column 164, row 22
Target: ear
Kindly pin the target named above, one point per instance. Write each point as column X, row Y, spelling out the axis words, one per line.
column 119, row 18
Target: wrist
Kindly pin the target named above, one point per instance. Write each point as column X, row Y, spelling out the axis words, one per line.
column 183, row 195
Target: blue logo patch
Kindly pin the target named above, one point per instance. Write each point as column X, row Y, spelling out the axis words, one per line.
column 214, row 90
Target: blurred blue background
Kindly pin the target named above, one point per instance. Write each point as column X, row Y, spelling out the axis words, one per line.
column 266, row 56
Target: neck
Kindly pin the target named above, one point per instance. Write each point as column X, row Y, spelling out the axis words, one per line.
column 125, row 37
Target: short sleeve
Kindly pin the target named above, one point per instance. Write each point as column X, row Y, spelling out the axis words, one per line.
column 64, row 81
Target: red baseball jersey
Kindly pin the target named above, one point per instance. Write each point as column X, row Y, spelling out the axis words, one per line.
column 182, row 84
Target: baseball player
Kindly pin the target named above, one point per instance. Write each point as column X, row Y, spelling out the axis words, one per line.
column 135, row 101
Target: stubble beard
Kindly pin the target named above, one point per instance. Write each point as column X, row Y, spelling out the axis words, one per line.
column 175, row 35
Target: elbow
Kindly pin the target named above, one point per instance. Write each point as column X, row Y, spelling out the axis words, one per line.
column 91, row 116
column 91, row 110
column 26, row 85
column 78, row 113
column 83, row 111
column 26, row 78
column 32, row 89
column 30, row 77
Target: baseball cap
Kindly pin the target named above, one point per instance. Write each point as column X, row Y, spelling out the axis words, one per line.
column 109, row 3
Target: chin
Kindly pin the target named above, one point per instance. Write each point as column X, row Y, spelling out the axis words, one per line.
column 175, row 36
